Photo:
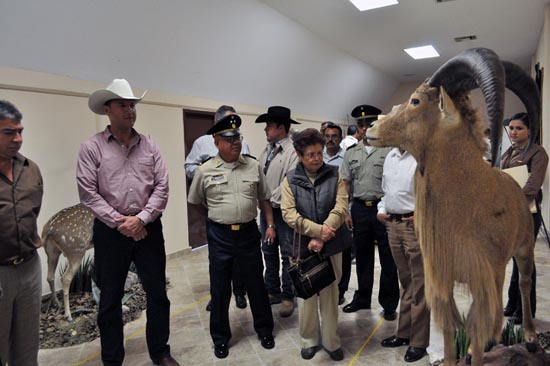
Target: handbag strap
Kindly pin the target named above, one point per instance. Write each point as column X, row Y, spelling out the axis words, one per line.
column 297, row 230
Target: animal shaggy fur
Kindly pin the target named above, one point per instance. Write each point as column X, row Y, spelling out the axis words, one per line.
column 470, row 218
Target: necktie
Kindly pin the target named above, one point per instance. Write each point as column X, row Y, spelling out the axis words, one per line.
column 274, row 150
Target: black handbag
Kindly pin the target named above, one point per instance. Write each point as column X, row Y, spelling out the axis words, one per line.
column 309, row 275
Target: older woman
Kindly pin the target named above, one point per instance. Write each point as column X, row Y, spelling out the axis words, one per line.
column 314, row 195
column 536, row 159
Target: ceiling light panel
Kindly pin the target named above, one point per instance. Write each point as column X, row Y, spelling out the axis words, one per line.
column 422, row 52
column 363, row 5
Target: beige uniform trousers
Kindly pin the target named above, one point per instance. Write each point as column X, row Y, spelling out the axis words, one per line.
column 414, row 315
column 318, row 318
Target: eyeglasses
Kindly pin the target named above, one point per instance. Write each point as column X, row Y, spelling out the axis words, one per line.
column 331, row 137
column 232, row 139
column 313, row 155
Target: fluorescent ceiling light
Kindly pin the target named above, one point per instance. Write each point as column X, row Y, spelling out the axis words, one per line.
column 363, row 5
column 422, row 52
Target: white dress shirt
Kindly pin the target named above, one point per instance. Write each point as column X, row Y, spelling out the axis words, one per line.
column 348, row 141
column 398, row 183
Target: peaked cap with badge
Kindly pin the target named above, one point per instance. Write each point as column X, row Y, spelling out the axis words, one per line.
column 227, row 126
column 365, row 113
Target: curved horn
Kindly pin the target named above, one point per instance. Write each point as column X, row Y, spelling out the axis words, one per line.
column 523, row 85
column 470, row 69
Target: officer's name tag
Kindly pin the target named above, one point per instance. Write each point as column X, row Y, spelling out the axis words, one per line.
column 217, row 178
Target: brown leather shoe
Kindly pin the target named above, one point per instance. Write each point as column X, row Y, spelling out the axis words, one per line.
column 286, row 308
column 167, row 361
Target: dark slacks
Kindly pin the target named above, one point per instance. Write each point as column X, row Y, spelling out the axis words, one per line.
column 227, row 248
column 514, row 295
column 113, row 254
column 283, row 243
column 367, row 231
column 346, row 271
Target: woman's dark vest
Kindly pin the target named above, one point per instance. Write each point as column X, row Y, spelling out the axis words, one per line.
column 314, row 201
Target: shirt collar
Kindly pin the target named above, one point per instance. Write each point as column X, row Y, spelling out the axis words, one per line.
column 107, row 134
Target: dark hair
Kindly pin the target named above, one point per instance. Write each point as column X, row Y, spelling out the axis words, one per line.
column 333, row 125
column 523, row 117
column 366, row 121
column 308, row 137
column 352, row 129
column 220, row 112
column 9, row 111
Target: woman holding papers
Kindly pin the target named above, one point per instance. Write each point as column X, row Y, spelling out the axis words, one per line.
column 536, row 160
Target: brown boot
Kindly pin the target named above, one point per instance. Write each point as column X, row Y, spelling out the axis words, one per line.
column 286, row 308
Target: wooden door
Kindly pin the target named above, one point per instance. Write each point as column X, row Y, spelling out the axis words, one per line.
column 195, row 124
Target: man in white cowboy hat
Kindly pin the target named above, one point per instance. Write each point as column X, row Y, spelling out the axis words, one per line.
column 122, row 178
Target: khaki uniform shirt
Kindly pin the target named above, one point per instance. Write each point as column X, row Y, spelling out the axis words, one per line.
column 230, row 191
column 364, row 171
column 285, row 160
column 20, row 203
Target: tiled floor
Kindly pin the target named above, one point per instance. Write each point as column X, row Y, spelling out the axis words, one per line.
column 361, row 332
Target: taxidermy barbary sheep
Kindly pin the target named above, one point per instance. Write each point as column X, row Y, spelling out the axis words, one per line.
column 69, row 232
column 470, row 218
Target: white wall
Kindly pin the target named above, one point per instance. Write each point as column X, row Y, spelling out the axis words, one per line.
column 238, row 51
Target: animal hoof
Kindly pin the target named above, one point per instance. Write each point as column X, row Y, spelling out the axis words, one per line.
column 531, row 347
column 468, row 359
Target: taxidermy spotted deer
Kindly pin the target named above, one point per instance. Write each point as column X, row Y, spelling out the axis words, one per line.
column 470, row 218
column 69, row 232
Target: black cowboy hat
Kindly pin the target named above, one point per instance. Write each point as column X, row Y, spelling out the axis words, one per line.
column 277, row 114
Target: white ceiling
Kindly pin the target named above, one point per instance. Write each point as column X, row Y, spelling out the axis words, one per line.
column 511, row 28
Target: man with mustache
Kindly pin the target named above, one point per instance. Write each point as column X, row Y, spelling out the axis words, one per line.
column 21, row 192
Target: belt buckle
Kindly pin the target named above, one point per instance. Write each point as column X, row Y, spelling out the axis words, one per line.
column 369, row 203
column 235, row 227
column 18, row 260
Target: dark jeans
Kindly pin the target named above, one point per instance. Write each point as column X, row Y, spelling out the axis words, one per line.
column 514, row 295
column 113, row 254
column 225, row 249
column 283, row 243
column 366, row 231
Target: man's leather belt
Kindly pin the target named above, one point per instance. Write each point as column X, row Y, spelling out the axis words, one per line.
column 372, row 203
column 399, row 217
column 17, row 260
column 234, row 227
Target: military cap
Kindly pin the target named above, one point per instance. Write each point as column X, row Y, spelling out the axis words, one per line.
column 365, row 111
column 227, row 126
column 277, row 114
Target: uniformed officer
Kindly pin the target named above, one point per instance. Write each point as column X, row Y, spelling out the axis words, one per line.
column 362, row 174
column 230, row 185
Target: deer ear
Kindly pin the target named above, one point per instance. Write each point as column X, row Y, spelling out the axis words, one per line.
column 447, row 108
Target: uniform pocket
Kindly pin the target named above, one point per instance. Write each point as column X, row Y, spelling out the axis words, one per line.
column 250, row 186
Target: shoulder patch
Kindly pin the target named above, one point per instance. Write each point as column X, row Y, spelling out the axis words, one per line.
column 249, row 156
column 210, row 157
column 352, row 146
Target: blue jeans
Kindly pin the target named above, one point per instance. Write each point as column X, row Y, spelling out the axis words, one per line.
column 283, row 244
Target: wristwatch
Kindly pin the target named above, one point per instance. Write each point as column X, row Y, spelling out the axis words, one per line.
column 141, row 222
column 271, row 226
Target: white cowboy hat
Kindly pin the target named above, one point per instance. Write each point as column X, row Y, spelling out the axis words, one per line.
column 118, row 89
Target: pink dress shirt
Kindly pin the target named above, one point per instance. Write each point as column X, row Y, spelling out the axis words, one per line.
column 115, row 181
